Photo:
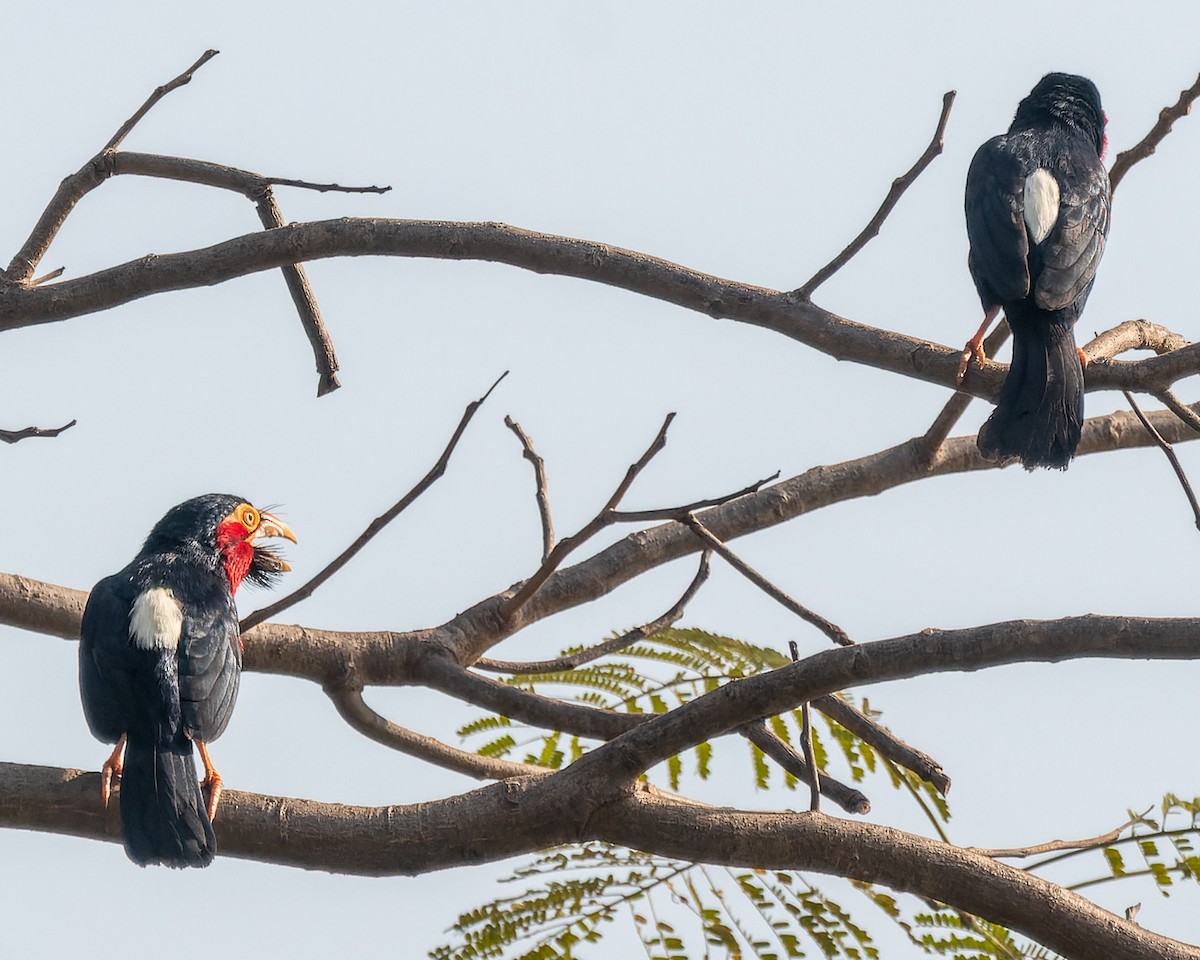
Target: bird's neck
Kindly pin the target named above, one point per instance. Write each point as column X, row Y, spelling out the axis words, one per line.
column 236, row 553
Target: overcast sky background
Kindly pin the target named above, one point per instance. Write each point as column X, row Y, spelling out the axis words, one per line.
column 748, row 141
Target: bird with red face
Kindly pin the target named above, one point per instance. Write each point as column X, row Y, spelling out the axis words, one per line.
column 160, row 658
column 1037, row 205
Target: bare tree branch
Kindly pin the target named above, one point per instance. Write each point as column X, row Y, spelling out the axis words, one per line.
column 590, row 529
column 13, row 436
column 539, row 476
column 208, row 174
column 354, row 710
column 46, row 278
column 1053, row 845
column 899, row 185
column 22, row 306
column 305, row 301
column 1169, row 451
column 586, row 655
column 806, row 738
column 830, row 629
column 1177, row 407
column 158, row 94
column 804, row 770
column 376, row 525
column 542, row 810
column 382, row 657
column 74, row 187
column 884, row 741
column 1149, row 143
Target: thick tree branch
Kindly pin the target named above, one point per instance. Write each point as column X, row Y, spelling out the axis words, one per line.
column 23, row 306
column 326, row 656
column 535, row 812
column 354, row 710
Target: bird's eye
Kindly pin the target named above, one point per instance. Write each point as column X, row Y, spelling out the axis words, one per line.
column 249, row 519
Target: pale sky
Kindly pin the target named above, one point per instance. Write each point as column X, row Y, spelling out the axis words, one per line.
column 748, row 141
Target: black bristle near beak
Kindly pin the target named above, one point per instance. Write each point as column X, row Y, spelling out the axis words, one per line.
column 267, row 567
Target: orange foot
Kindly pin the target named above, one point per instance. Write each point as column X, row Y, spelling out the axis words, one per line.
column 212, row 784
column 974, row 347
column 111, row 772
column 1083, row 360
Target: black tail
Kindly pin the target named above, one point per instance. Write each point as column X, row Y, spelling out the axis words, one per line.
column 1040, row 412
column 163, row 815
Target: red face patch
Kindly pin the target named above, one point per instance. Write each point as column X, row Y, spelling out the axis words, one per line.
column 236, row 552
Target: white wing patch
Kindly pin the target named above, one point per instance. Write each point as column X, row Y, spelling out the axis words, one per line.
column 156, row 620
column 1041, row 204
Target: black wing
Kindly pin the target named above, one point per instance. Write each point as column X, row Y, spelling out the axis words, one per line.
column 1073, row 250
column 107, row 662
column 995, row 208
column 210, row 665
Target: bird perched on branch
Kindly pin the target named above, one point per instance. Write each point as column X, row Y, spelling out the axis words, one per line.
column 1037, row 205
column 160, row 657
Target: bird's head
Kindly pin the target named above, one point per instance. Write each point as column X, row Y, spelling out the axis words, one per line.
column 223, row 530
column 1070, row 100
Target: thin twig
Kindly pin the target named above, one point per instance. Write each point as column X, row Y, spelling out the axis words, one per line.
column 325, row 187
column 52, row 275
column 305, row 300
column 806, row 740
column 899, row 185
column 1170, row 454
column 539, row 477
column 830, row 629
column 13, row 436
column 208, row 174
column 590, row 529
column 1053, row 845
column 681, row 513
column 158, row 94
column 572, row 660
column 354, row 710
column 1178, row 407
column 849, row 799
column 1149, row 143
column 377, row 524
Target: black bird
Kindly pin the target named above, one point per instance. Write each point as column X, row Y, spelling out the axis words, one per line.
column 1037, row 204
column 160, row 657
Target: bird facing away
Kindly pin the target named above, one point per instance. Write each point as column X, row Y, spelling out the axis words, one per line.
column 1037, row 205
column 160, row 656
